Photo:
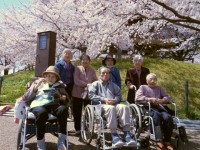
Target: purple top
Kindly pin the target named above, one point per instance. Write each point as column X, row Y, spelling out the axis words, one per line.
column 145, row 91
column 69, row 78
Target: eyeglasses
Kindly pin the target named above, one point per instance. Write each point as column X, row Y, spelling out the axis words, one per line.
column 105, row 73
column 138, row 61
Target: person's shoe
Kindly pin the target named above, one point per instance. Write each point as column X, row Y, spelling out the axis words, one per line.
column 128, row 139
column 41, row 144
column 169, row 146
column 116, row 140
column 61, row 141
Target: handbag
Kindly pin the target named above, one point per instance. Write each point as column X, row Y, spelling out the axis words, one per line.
column 20, row 109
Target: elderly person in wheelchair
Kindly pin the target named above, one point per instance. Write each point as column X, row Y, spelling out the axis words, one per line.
column 110, row 95
column 48, row 95
column 162, row 120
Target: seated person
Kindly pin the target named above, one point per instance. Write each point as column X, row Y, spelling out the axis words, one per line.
column 48, row 95
column 20, row 106
column 110, row 95
column 163, row 122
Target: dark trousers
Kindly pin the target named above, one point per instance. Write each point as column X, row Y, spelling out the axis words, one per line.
column 77, row 111
column 164, row 121
column 69, row 89
column 131, row 96
column 41, row 114
column 69, row 92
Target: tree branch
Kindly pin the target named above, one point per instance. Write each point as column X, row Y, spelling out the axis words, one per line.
column 189, row 19
column 180, row 24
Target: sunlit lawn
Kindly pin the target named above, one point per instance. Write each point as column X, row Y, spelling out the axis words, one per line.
column 172, row 76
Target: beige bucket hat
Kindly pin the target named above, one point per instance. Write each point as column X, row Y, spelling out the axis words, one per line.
column 52, row 69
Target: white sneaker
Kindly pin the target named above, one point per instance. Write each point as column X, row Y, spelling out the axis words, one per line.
column 117, row 142
column 61, row 141
column 41, row 144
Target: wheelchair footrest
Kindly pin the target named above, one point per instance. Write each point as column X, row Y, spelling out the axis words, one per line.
column 31, row 128
column 114, row 147
column 51, row 128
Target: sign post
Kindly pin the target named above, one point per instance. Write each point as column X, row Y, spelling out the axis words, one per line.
column 45, row 54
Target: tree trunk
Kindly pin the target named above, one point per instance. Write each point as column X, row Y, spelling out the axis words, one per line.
column 6, row 71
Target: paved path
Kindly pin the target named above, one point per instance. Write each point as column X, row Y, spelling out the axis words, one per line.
column 191, row 124
column 8, row 137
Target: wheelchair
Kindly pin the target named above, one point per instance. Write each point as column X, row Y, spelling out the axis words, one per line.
column 142, row 122
column 93, row 119
column 27, row 128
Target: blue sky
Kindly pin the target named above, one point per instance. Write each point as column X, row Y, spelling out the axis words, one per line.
column 4, row 4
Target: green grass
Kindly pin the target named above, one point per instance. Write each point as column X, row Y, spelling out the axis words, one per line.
column 13, row 86
column 172, row 76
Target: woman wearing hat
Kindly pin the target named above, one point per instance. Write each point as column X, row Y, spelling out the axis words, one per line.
column 48, row 95
column 110, row 62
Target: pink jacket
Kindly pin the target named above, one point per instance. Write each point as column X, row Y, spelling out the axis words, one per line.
column 151, row 92
column 82, row 77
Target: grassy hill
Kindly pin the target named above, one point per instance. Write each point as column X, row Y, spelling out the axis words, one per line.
column 172, row 75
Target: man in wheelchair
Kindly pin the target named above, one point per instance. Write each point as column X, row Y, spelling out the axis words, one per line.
column 110, row 95
column 163, row 121
column 48, row 95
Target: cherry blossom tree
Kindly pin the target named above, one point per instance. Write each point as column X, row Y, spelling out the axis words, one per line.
column 139, row 19
column 168, row 29
column 181, row 19
column 18, row 39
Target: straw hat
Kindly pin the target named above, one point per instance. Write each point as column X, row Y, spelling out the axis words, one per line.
column 108, row 57
column 52, row 69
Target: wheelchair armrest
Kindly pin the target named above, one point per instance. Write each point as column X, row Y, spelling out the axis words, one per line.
column 142, row 101
column 95, row 102
column 124, row 101
column 175, row 109
column 171, row 103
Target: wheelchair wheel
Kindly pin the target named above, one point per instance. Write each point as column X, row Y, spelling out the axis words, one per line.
column 176, row 142
column 145, row 142
column 20, row 135
column 99, row 143
column 87, row 127
column 136, row 117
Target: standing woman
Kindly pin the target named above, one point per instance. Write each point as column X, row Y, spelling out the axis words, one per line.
column 110, row 62
column 66, row 70
column 83, row 75
column 135, row 77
